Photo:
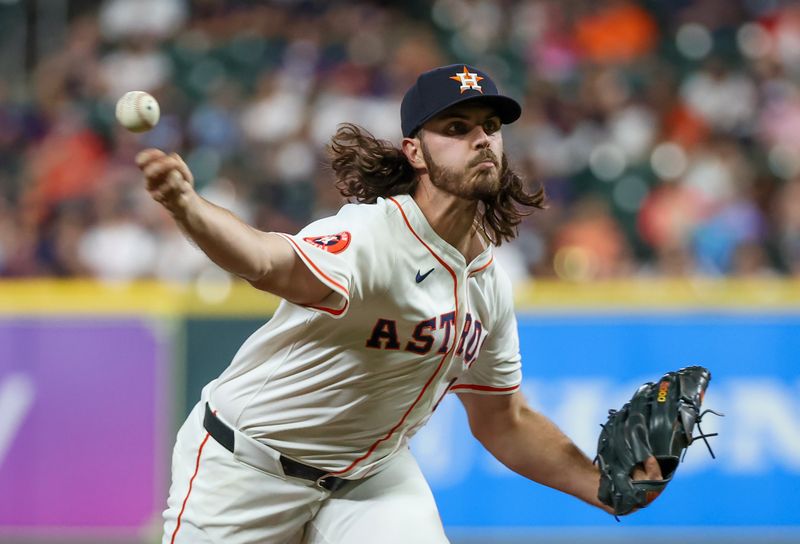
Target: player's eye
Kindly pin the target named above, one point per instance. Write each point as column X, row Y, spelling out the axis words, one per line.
column 491, row 125
column 457, row 127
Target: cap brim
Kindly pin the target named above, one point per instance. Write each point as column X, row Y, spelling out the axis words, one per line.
column 506, row 107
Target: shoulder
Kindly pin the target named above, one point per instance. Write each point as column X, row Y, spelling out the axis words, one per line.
column 502, row 279
column 358, row 228
column 353, row 217
column 501, row 286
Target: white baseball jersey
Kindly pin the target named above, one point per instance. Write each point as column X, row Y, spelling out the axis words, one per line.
column 344, row 384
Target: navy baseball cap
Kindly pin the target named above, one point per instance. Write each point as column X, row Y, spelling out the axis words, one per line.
column 440, row 88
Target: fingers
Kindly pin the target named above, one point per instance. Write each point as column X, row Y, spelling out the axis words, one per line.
column 183, row 168
column 653, row 469
column 167, row 178
column 649, row 470
column 638, row 473
column 155, row 164
column 143, row 158
column 158, row 168
column 169, row 190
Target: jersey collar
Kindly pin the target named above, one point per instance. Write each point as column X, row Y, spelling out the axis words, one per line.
column 420, row 224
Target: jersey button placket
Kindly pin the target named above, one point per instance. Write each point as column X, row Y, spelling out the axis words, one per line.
column 462, row 317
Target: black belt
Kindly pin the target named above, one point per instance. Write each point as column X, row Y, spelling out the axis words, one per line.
column 224, row 435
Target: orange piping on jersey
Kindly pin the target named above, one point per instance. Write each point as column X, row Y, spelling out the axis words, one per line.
column 321, row 273
column 191, row 481
column 441, row 362
column 472, row 387
column 329, row 310
column 491, row 260
column 445, row 392
column 444, row 264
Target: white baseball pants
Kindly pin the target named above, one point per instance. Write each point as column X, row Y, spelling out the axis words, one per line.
column 244, row 498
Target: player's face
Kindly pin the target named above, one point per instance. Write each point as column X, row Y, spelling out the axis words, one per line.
column 462, row 148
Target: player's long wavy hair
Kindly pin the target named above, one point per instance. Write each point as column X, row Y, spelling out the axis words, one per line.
column 367, row 168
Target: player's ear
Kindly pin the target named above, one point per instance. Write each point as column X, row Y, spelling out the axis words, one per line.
column 412, row 149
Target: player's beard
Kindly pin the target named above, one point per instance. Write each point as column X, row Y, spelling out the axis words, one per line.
column 470, row 183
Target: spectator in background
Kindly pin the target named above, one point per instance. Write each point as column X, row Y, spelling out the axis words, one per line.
column 724, row 99
column 131, row 19
column 590, row 244
column 787, row 225
column 117, row 247
column 617, row 31
column 681, row 117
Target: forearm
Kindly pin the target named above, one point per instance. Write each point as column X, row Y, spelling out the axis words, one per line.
column 531, row 445
column 229, row 242
column 266, row 260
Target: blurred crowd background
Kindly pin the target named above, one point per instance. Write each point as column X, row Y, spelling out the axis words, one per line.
column 665, row 132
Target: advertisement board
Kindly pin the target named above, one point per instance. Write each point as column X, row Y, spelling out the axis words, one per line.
column 82, row 429
column 90, row 398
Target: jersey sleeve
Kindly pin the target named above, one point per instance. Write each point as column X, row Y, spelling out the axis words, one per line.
column 339, row 252
column 498, row 367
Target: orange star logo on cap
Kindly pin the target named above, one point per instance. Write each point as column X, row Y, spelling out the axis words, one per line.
column 468, row 80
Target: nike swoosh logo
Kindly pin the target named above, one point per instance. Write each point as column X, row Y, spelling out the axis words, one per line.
column 421, row 277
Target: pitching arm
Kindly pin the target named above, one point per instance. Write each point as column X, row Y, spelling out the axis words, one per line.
column 265, row 260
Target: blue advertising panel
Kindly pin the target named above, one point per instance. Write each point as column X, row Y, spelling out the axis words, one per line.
column 578, row 366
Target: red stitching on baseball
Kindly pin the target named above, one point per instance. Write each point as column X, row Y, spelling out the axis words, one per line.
column 138, row 109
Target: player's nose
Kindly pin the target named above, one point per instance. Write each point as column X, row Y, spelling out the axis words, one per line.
column 480, row 138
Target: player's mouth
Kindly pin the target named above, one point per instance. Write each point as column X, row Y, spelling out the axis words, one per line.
column 484, row 162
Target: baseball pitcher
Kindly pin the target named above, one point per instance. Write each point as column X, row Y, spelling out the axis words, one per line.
column 387, row 306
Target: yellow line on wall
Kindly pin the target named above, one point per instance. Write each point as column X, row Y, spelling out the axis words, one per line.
column 692, row 294
column 238, row 299
column 85, row 297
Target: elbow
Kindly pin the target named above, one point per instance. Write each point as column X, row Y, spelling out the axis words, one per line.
column 486, row 439
column 260, row 272
column 260, row 277
column 491, row 422
column 479, row 433
column 254, row 278
column 490, row 431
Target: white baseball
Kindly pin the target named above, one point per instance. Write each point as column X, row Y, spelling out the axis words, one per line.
column 137, row 111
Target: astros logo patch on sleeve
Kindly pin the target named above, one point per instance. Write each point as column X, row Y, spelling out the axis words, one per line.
column 332, row 243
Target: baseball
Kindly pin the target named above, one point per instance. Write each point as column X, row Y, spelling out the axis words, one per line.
column 137, row 111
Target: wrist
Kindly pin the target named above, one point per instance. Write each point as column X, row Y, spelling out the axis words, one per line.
column 184, row 207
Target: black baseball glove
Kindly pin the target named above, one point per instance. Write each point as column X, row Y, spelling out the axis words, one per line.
column 658, row 421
